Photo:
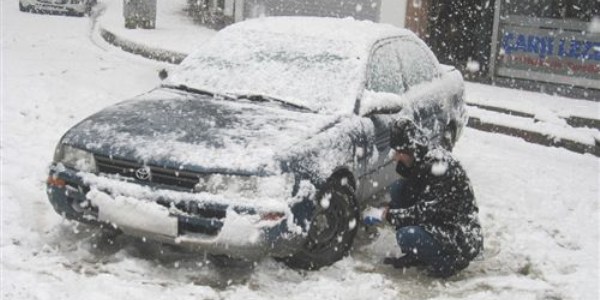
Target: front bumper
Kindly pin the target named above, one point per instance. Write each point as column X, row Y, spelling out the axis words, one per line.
column 60, row 8
column 211, row 227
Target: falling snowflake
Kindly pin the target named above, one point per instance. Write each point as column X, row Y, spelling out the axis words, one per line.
column 358, row 8
column 473, row 66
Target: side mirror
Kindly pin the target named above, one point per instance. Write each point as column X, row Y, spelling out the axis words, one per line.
column 163, row 74
column 380, row 103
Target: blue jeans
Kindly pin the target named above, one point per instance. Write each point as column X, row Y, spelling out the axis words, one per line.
column 418, row 243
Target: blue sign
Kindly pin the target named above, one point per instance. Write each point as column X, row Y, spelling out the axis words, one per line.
column 544, row 46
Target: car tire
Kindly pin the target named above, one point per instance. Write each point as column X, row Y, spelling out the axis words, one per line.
column 332, row 229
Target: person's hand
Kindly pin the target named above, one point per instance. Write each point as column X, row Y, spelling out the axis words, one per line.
column 394, row 155
column 374, row 215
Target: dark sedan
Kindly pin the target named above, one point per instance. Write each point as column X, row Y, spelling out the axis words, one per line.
column 266, row 141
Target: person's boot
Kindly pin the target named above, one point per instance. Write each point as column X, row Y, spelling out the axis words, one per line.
column 405, row 261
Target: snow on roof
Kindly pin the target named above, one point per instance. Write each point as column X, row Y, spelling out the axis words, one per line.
column 348, row 29
column 318, row 63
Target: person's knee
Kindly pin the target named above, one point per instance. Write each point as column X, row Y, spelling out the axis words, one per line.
column 416, row 241
column 410, row 236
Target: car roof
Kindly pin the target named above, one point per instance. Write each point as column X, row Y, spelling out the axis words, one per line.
column 359, row 32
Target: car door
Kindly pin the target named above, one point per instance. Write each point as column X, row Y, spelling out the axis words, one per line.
column 420, row 71
column 384, row 79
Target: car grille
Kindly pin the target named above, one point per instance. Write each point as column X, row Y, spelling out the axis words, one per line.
column 194, row 217
column 158, row 175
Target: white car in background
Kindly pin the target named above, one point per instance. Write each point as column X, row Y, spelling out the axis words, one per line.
column 69, row 7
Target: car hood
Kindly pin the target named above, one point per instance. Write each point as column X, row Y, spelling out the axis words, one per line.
column 175, row 129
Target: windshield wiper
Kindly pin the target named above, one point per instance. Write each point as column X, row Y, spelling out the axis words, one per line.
column 263, row 98
column 251, row 97
column 188, row 89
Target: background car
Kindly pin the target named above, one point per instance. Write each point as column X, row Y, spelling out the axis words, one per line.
column 70, row 7
column 267, row 140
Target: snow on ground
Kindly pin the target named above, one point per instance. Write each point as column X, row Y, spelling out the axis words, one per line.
column 551, row 126
column 549, row 112
column 174, row 30
column 530, row 102
column 539, row 205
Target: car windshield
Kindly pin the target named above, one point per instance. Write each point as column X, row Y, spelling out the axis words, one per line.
column 320, row 74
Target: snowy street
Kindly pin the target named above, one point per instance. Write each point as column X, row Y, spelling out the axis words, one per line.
column 538, row 205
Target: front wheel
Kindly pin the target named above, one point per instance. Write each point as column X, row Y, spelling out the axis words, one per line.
column 332, row 228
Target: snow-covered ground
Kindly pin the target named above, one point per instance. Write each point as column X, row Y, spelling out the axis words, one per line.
column 174, row 30
column 549, row 112
column 539, row 205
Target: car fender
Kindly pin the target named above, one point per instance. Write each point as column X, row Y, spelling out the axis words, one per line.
column 338, row 150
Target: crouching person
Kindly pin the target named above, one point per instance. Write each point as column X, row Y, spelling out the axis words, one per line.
column 433, row 207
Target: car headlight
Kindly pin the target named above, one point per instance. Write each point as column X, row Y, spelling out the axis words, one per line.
column 248, row 186
column 75, row 158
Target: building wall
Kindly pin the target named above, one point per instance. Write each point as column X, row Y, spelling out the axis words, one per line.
column 359, row 9
column 393, row 12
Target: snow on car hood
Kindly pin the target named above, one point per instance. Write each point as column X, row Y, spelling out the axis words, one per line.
column 199, row 133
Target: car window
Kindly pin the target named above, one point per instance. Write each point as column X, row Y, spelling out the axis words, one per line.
column 418, row 64
column 385, row 71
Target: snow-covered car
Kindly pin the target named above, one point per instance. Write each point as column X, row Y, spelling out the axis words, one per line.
column 70, row 7
column 266, row 141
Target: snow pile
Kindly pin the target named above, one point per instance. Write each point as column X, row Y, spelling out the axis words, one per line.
column 133, row 213
column 552, row 125
column 530, row 102
column 550, row 112
column 239, row 229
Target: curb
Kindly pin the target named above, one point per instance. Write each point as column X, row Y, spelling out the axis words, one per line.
column 573, row 121
column 475, row 123
column 535, row 137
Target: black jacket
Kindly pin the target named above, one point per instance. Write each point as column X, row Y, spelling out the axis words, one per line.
column 442, row 202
